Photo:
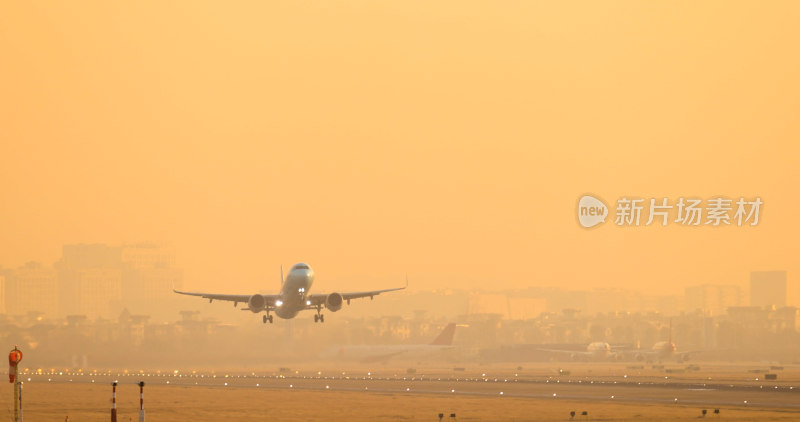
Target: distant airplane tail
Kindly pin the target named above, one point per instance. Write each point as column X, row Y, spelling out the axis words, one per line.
column 670, row 331
column 446, row 337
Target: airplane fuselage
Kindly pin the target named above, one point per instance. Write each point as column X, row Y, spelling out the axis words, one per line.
column 664, row 349
column 599, row 350
column 294, row 291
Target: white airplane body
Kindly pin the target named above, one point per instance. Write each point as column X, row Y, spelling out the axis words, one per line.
column 293, row 297
column 598, row 350
column 663, row 350
column 382, row 353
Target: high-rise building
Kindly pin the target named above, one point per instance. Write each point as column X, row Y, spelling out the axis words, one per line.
column 86, row 274
column 2, row 294
column 768, row 288
column 147, row 255
column 32, row 288
column 149, row 276
column 712, row 299
column 99, row 292
column 101, row 281
column 149, row 272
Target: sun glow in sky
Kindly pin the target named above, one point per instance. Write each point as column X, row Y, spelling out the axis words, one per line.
column 446, row 140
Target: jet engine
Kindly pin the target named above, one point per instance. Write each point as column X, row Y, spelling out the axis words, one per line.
column 334, row 302
column 256, row 303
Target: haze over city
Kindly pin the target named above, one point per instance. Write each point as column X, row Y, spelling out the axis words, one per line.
column 451, row 144
column 400, row 210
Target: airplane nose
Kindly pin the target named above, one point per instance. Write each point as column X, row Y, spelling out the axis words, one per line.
column 302, row 273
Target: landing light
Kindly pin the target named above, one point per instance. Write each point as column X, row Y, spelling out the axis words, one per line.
column 278, row 302
column 308, row 302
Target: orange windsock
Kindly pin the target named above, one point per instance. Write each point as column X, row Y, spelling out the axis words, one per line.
column 14, row 357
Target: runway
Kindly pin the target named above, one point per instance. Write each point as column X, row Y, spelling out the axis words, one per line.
column 624, row 388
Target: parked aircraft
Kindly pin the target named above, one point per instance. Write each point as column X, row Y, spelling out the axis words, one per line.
column 383, row 353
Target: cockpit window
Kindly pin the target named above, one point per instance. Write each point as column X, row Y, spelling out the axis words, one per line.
column 301, row 267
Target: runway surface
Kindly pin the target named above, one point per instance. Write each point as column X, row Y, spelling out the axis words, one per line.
column 613, row 384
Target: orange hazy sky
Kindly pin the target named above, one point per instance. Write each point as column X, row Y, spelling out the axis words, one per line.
column 447, row 140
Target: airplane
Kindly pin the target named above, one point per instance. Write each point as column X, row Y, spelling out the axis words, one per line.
column 598, row 350
column 294, row 297
column 382, row 353
column 662, row 350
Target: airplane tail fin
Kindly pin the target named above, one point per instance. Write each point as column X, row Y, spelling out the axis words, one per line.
column 670, row 331
column 446, row 337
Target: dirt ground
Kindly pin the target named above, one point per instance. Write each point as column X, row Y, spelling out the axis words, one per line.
column 91, row 402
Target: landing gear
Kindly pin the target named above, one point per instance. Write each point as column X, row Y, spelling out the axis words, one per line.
column 267, row 318
column 319, row 317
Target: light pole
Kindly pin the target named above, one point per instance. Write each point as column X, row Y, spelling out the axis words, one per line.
column 114, row 401
column 141, row 401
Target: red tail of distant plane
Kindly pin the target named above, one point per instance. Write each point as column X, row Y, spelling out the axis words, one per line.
column 670, row 331
column 446, row 337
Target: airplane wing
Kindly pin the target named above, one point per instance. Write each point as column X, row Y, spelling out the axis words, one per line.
column 319, row 298
column 236, row 299
column 381, row 358
column 572, row 353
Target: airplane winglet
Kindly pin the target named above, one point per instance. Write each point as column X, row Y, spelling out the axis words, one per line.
column 187, row 293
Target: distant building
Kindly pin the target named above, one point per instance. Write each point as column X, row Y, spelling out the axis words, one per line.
column 99, row 291
column 2, row 294
column 712, row 299
column 98, row 280
column 97, row 255
column 87, row 274
column 524, row 308
column 149, row 273
column 488, row 303
column 32, row 288
column 768, row 288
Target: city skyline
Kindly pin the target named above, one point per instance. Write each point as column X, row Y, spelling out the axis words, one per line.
column 99, row 280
